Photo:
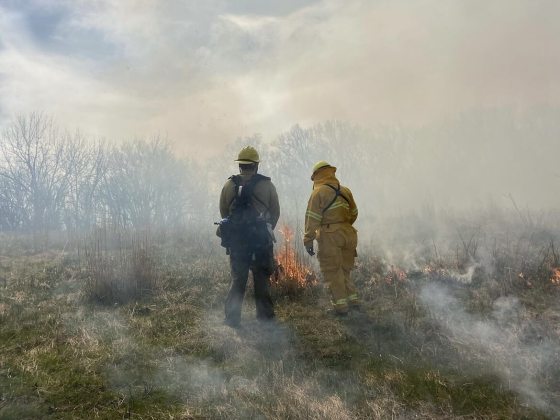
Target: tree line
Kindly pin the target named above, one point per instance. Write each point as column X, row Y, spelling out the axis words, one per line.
column 51, row 179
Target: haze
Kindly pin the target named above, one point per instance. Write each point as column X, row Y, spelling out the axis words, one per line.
column 204, row 73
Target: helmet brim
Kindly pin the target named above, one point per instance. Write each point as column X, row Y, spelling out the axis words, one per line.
column 246, row 162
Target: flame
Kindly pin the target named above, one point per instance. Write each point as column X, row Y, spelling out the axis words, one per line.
column 396, row 274
column 432, row 271
column 291, row 271
column 428, row 269
column 555, row 279
column 522, row 276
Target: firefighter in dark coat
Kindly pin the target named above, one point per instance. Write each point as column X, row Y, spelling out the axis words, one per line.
column 250, row 210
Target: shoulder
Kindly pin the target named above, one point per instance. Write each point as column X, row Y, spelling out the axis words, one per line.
column 320, row 191
column 262, row 181
column 230, row 182
column 346, row 193
column 344, row 190
column 323, row 189
column 261, row 178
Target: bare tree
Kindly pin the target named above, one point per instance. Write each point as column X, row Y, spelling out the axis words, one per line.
column 86, row 164
column 146, row 185
column 34, row 172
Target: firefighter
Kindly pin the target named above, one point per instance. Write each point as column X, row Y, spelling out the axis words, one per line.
column 250, row 210
column 330, row 214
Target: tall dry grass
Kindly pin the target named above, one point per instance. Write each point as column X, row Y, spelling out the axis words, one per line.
column 118, row 266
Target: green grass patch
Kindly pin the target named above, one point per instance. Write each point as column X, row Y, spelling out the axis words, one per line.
column 168, row 355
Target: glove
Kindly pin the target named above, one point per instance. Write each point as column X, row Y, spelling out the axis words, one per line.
column 309, row 249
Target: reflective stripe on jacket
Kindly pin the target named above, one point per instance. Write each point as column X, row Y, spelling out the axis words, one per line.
column 319, row 212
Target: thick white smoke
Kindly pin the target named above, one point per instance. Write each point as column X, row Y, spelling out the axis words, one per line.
column 500, row 343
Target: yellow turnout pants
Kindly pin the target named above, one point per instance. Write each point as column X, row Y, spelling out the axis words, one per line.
column 337, row 252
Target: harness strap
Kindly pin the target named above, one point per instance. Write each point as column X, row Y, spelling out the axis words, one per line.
column 337, row 194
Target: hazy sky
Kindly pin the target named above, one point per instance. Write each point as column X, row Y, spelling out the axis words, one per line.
column 206, row 72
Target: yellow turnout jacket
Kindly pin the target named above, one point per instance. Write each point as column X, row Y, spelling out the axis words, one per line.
column 322, row 210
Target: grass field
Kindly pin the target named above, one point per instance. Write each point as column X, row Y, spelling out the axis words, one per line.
column 441, row 340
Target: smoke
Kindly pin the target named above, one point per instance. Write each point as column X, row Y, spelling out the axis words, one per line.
column 136, row 368
column 185, row 378
column 256, row 362
column 507, row 342
column 222, row 69
column 465, row 278
column 447, row 104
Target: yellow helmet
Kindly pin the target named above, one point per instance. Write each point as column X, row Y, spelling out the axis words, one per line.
column 248, row 155
column 319, row 165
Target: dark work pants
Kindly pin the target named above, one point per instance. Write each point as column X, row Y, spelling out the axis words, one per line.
column 241, row 261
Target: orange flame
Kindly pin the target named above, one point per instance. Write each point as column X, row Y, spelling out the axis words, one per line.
column 555, row 279
column 396, row 274
column 291, row 271
column 428, row 270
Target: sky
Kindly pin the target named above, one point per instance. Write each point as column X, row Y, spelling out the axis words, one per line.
column 203, row 73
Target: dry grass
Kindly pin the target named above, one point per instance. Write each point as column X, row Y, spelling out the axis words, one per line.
column 118, row 266
column 167, row 354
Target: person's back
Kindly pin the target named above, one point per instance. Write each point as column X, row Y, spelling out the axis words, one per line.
column 331, row 212
column 250, row 210
column 264, row 198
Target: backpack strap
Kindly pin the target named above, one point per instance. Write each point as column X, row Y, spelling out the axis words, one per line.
column 254, row 181
column 238, row 182
column 337, row 194
column 247, row 190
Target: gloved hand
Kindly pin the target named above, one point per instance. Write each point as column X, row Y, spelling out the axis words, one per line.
column 309, row 249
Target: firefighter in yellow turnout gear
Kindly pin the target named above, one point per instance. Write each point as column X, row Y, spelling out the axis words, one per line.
column 330, row 214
